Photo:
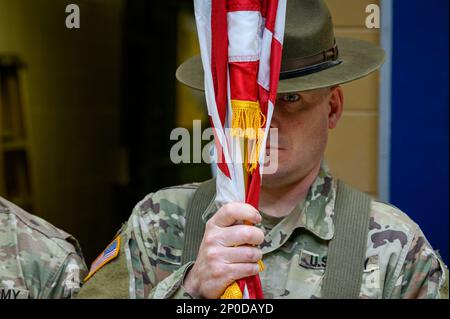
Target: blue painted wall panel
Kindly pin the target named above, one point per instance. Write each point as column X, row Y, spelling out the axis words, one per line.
column 419, row 142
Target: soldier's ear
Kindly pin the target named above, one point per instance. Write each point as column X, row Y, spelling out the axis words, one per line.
column 336, row 106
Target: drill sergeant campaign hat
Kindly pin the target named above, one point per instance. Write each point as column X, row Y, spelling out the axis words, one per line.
column 312, row 56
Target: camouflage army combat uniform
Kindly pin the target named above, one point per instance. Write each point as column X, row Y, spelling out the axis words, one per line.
column 37, row 260
column 400, row 262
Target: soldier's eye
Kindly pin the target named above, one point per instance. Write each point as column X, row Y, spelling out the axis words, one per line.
column 290, row 97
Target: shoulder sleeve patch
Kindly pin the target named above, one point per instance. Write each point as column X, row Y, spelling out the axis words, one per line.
column 110, row 253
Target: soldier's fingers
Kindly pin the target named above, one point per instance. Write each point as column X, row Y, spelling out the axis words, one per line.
column 238, row 235
column 231, row 213
column 242, row 270
column 242, row 254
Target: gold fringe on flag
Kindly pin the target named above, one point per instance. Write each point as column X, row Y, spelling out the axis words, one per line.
column 232, row 292
column 247, row 122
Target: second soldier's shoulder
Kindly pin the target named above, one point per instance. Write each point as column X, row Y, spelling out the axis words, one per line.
column 27, row 225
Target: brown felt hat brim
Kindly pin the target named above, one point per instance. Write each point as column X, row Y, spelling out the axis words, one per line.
column 359, row 58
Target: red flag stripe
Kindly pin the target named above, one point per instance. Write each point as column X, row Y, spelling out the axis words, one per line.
column 272, row 7
column 243, row 5
column 244, row 75
column 275, row 67
column 219, row 55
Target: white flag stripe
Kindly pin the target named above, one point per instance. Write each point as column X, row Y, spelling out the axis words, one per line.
column 280, row 21
column 264, row 62
column 245, row 294
column 262, row 151
column 243, row 44
column 238, row 169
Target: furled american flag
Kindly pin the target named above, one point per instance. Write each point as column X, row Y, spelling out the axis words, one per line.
column 241, row 45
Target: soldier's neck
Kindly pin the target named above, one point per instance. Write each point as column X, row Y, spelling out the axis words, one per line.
column 280, row 201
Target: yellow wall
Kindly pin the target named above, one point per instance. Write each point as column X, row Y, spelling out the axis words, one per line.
column 352, row 151
column 72, row 86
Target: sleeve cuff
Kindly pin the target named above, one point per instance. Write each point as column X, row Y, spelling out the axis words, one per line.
column 172, row 286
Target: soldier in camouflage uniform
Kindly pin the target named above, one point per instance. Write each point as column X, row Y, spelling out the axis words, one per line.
column 37, row 260
column 293, row 234
column 400, row 263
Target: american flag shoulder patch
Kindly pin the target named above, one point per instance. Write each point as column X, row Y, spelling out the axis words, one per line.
column 111, row 252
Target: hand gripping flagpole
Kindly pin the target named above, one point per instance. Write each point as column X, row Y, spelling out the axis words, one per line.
column 241, row 45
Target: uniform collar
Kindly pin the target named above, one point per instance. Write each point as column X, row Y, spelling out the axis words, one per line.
column 318, row 209
column 314, row 213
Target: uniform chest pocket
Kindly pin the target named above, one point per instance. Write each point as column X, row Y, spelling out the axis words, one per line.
column 305, row 276
column 371, row 286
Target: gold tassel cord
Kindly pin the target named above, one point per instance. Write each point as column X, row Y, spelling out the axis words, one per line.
column 232, row 292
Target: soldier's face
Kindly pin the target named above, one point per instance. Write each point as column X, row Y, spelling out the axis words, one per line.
column 303, row 120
